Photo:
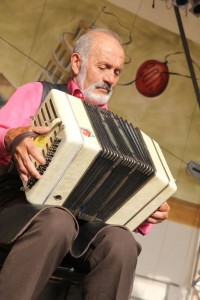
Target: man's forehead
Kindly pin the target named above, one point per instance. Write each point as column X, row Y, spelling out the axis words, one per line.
column 106, row 59
column 106, row 46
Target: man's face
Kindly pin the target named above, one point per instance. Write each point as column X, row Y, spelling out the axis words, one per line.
column 100, row 73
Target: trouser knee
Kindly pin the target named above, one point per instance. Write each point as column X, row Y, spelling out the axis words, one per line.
column 121, row 242
column 119, row 245
column 55, row 226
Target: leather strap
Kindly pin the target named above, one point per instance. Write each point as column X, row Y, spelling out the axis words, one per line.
column 18, row 140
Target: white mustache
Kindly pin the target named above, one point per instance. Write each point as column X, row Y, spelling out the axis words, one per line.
column 104, row 85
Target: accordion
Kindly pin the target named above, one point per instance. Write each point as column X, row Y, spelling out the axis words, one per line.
column 98, row 165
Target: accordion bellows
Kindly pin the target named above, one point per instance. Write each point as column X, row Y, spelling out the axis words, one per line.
column 98, row 165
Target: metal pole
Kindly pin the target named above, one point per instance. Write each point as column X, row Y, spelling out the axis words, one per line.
column 187, row 53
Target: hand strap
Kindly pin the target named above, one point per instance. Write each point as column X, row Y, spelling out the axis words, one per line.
column 20, row 138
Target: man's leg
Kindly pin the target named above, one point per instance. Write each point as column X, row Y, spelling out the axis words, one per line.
column 36, row 254
column 112, row 260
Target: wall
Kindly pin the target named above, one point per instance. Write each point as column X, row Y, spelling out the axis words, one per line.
column 166, row 264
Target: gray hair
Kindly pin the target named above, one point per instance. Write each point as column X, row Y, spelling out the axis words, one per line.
column 84, row 42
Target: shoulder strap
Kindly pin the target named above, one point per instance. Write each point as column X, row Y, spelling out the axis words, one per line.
column 47, row 86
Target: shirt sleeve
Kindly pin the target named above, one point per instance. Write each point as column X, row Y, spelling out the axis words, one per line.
column 144, row 228
column 17, row 112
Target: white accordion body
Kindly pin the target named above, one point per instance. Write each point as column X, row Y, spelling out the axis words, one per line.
column 97, row 165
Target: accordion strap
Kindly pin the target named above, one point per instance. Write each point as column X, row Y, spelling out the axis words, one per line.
column 18, row 140
column 48, row 86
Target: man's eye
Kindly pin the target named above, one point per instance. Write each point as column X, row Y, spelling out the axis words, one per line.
column 102, row 67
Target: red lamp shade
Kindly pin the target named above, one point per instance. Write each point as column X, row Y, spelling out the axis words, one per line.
column 152, row 78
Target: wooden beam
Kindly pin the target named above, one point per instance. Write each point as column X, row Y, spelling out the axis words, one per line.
column 184, row 212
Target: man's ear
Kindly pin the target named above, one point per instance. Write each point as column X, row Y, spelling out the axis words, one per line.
column 75, row 63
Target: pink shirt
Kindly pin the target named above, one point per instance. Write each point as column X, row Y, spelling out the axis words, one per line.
column 24, row 104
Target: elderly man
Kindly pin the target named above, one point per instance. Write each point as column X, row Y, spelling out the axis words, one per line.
column 39, row 238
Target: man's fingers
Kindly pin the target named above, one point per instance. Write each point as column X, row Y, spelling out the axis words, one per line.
column 27, row 169
column 160, row 214
column 40, row 129
column 25, row 150
column 23, row 154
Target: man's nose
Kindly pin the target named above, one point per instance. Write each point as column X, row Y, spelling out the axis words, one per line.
column 110, row 78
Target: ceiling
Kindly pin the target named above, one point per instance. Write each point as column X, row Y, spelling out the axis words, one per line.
column 163, row 15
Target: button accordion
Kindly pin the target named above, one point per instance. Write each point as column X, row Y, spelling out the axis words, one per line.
column 98, row 165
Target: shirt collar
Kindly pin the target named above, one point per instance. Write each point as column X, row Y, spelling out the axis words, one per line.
column 74, row 90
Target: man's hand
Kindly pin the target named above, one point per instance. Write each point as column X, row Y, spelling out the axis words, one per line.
column 160, row 214
column 25, row 149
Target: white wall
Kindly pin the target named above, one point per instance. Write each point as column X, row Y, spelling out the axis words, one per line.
column 168, row 256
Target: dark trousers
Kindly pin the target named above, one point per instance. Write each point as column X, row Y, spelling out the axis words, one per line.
column 110, row 260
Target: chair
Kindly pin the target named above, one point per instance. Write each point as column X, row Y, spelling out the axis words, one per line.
column 59, row 284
